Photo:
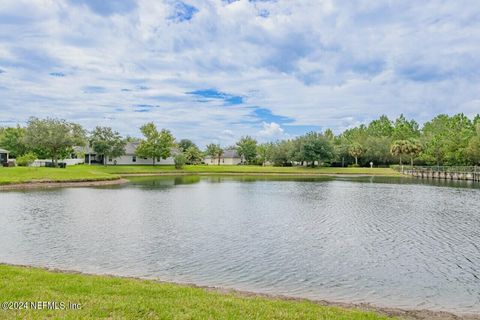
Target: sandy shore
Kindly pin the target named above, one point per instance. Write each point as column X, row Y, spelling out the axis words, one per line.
column 407, row 314
column 55, row 184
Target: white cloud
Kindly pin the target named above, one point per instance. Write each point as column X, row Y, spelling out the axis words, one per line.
column 271, row 130
column 318, row 63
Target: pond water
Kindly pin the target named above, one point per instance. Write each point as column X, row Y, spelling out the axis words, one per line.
column 391, row 242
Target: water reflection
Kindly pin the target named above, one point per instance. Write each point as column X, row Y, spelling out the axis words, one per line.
column 397, row 242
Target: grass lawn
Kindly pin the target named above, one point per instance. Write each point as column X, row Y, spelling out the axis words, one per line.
column 120, row 298
column 94, row 173
column 249, row 169
column 73, row 173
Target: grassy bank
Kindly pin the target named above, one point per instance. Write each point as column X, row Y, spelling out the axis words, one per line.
column 120, row 298
column 74, row 173
column 249, row 169
column 96, row 173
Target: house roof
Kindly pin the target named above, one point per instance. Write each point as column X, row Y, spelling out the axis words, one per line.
column 130, row 149
column 4, row 151
column 227, row 154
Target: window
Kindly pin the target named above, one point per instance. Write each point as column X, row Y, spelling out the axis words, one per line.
column 110, row 159
column 134, row 159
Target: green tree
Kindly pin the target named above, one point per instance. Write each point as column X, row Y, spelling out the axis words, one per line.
column 107, row 143
column 446, row 140
column 473, row 148
column 215, row 151
column 382, row 127
column 247, row 148
column 193, row 155
column 317, row 148
column 180, row 160
column 377, row 149
column 281, row 153
column 400, row 148
column 404, row 129
column 55, row 137
column 156, row 144
column 184, row 144
column 413, row 149
column 13, row 139
column 265, row 152
column 356, row 150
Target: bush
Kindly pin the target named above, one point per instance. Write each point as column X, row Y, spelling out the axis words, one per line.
column 354, row 165
column 26, row 160
column 180, row 161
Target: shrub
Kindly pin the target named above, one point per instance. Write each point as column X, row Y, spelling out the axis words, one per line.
column 26, row 160
column 180, row 161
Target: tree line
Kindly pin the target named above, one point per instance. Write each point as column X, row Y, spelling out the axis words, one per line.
column 444, row 140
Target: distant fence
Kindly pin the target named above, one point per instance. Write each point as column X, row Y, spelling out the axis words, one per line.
column 68, row 162
column 471, row 173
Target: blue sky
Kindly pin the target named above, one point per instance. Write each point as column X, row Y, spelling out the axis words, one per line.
column 216, row 70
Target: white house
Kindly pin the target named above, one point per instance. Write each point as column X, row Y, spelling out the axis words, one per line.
column 229, row 157
column 4, row 156
column 130, row 157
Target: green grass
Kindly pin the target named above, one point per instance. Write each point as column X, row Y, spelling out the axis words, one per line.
column 94, row 173
column 120, row 298
column 73, row 173
column 249, row 169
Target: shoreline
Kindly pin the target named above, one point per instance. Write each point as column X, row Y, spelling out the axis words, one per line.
column 259, row 174
column 401, row 313
column 61, row 184
column 39, row 184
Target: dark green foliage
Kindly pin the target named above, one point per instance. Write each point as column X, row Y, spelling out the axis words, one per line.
column 247, row 149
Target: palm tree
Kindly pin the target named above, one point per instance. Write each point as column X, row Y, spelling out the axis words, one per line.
column 215, row 151
column 414, row 148
column 355, row 150
column 399, row 148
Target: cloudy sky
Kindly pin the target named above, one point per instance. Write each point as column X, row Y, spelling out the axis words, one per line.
column 214, row 70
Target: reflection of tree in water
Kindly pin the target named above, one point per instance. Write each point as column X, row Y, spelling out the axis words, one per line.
column 186, row 180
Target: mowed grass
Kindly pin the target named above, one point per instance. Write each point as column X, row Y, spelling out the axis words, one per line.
column 249, row 169
column 120, row 298
column 71, row 173
column 97, row 172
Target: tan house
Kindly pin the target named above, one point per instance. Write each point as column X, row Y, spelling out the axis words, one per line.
column 229, row 157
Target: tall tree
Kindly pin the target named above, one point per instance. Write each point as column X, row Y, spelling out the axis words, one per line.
column 247, row 148
column 156, row 144
column 107, row 143
column 184, row 144
column 13, row 139
column 473, row 148
column 356, row 150
column 193, row 155
column 405, row 129
column 56, row 137
column 400, row 148
column 382, row 127
column 413, row 149
column 317, row 148
column 265, row 152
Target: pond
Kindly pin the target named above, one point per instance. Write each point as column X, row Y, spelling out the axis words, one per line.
column 391, row 242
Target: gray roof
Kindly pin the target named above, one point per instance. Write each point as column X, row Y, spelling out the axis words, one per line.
column 130, row 149
column 4, row 151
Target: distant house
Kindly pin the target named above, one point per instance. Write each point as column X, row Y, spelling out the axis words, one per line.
column 229, row 157
column 4, row 155
column 130, row 157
